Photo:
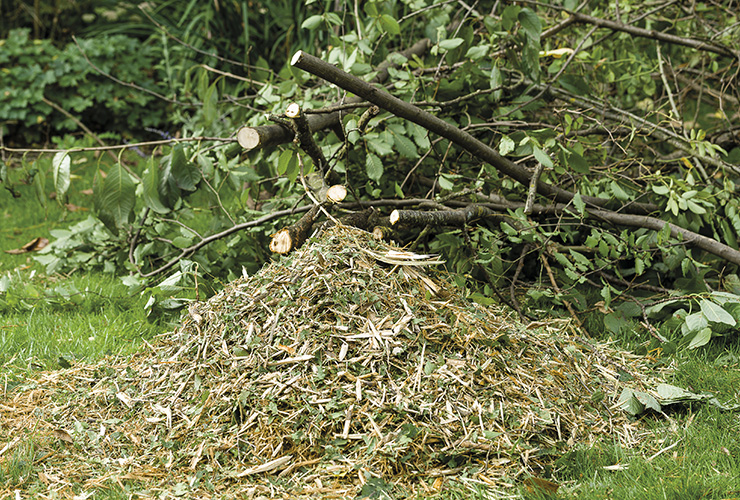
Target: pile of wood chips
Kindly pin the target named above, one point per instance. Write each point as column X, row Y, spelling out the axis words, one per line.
column 345, row 365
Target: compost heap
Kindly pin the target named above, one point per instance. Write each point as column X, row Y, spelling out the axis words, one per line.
column 344, row 364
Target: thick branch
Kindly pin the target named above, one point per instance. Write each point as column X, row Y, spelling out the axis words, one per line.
column 458, row 217
column 384, row 100
column 270, row 135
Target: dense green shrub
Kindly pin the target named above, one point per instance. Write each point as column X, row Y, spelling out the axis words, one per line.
column 34, row 72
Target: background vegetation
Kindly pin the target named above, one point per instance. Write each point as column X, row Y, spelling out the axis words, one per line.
column 118, row 125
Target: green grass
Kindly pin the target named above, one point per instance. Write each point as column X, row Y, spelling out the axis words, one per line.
column 47, row 321
column 82, row 317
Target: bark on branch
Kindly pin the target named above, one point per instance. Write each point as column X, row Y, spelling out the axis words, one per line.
column 458, row 217
column 392, row 104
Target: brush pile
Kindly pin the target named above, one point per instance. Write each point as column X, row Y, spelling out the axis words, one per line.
column 342, row 366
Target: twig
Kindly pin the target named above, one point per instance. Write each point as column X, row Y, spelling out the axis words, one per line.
column 532, row 189
column 554, row 283
column 517, row 272
column 235, row 77
column 118, row 146
column 656, row 35
column 209, row 239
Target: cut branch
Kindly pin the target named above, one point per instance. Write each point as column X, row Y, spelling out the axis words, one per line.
column 304, row 138
column 292, row 237
column 386, row 101
column 458, row 217
column 266, row 136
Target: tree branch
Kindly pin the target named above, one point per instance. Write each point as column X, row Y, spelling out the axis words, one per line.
column 390, row 103
column 266, row 136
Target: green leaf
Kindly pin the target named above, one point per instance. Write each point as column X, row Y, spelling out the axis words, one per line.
column 636, row 402
column 373, row 167
column 312, row 22
column 506, row 145
column 210, row 105
column 370, row 9
column 618, row 192
column 60, row 165
column 714, row 312
column 661, row 189
column 150, row 181
column 495, row 81
column 284, row 162
column 696, row 208
column 530, row 23
column 578, row 202
column 445, row 182
column 405, row 146
column 186, row 175
column 695, row 322
column 118, row 195
column 541, row 156
column 509, row 16
column 477, row 52
column 452, row 43
column 670, row 394
column 389, row 25
column 701, row 338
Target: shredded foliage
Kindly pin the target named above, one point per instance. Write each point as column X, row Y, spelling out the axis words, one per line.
column 327, row 372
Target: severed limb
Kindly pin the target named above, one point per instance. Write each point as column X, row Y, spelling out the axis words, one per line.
column 458, row 217
column 292, row 237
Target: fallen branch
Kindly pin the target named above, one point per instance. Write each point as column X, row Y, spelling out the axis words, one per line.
column 400, row 108
column 304, row 138
column 265, row 136
column 458, row 217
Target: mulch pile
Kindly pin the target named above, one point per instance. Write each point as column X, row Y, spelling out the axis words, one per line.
column 346, row 367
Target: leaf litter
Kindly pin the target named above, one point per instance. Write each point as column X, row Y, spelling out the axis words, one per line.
column 331, row 373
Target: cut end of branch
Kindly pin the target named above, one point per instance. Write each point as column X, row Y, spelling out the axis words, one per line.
column 336, row 193
column 282, row 242
column 394, row 217
column 248, row 138
column 296, row 57
column 382, row 233
column 293, row 110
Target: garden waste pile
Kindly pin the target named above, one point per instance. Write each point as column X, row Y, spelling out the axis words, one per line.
column 347, row 367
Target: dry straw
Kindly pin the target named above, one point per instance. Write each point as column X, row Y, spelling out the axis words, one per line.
column 344, row 364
